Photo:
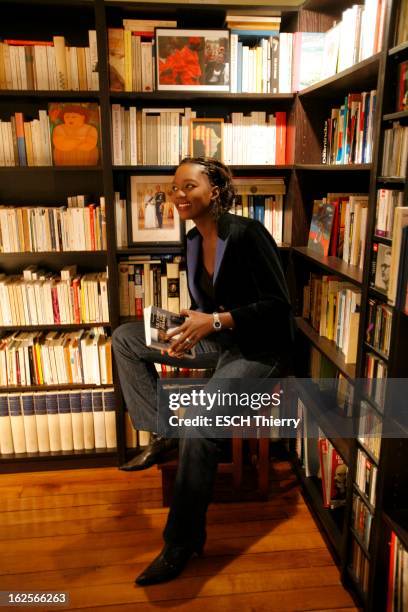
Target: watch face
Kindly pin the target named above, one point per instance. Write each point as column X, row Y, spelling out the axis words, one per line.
column 217, row 325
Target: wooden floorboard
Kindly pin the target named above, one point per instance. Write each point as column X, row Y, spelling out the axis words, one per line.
column 90, row 532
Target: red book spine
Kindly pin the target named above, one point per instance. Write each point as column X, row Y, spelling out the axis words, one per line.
column 280, row 137
column 75, row 295
column 92, row 226
column 390, row 593
column 55, row 307
column 26, row 43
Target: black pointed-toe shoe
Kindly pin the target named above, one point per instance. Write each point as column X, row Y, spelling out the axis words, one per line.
column 156, row 451
column 168, row 565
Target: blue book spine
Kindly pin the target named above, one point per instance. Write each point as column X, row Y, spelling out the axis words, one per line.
column 28, row 404
column 346, row 143
column 97, row 403
column 255, row 33
column 109, row 400
column 259, row 208
column 86, row 401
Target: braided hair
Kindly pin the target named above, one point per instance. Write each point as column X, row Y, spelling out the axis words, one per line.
column 219, row 176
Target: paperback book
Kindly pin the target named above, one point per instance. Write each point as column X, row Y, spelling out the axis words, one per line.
column 158, row 323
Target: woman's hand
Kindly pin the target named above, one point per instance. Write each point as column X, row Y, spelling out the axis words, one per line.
column 197, row 325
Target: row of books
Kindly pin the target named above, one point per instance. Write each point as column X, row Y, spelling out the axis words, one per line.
column 397, row 596
column 387, row 201
column 361, row 519
column 387, row 263
column 165, row 136
column 57, row 421
column 151, row 282
column 395, row 152
column 355, row 37
column 263, row 66
column 379, row 323
column 56, row 358
column 38, row 229
column 366, row 476
column 66, row 135
column 266, row 209
column 333, row 474
column 360, row 565
column 338, row 227
column 328, row 378
column 333, row 308
column 26, row 143
column 320, row 459
column 49, row 65
column 348, row 133
column 370, row 429
column 375, row 370
column 38, row 297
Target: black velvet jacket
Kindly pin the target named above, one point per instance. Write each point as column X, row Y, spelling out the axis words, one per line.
column 250, row 284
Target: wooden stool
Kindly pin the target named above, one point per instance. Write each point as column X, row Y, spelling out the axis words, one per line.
column 259, row 462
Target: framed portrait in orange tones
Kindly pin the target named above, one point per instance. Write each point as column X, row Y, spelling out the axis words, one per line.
column 207, row 138
column 75, row 133
column 192, row 60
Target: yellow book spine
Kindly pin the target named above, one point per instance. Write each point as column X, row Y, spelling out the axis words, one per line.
column 128, row 59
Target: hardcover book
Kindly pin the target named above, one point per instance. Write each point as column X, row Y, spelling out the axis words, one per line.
column 158, row 323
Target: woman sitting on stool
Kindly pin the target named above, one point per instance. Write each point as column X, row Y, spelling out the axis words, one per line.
column 240, row 323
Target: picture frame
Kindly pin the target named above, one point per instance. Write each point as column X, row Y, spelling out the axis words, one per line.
column 192, row 60
column 207, row 138
column 152, row 217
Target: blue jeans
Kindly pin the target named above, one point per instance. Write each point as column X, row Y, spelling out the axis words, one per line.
column 198, row 457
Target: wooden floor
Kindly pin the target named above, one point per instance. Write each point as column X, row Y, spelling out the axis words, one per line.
column 90, row 532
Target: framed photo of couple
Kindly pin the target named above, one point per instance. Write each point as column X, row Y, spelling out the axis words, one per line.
column 152, row 217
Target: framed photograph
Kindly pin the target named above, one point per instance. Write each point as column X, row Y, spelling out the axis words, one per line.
column 192, row 60
column 207, row 138
column 152, row 216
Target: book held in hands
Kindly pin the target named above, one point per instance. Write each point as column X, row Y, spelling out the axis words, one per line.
column 159, row 323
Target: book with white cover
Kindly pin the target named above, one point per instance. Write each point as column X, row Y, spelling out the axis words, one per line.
column 158, row 323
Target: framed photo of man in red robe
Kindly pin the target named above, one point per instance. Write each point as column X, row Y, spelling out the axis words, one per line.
column 192, row 60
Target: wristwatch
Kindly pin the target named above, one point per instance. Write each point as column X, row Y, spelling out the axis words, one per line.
column 217, row 325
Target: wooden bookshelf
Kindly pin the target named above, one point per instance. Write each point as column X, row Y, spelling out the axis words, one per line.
column 334, row 265
column 327, row 348
column 360, row 76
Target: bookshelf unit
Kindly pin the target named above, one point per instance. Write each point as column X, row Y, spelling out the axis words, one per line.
column 306, row 179
column 314, row 181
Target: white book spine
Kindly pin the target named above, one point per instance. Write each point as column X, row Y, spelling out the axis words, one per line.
column 93, row 52
column 6, row 434
column 234, row 62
